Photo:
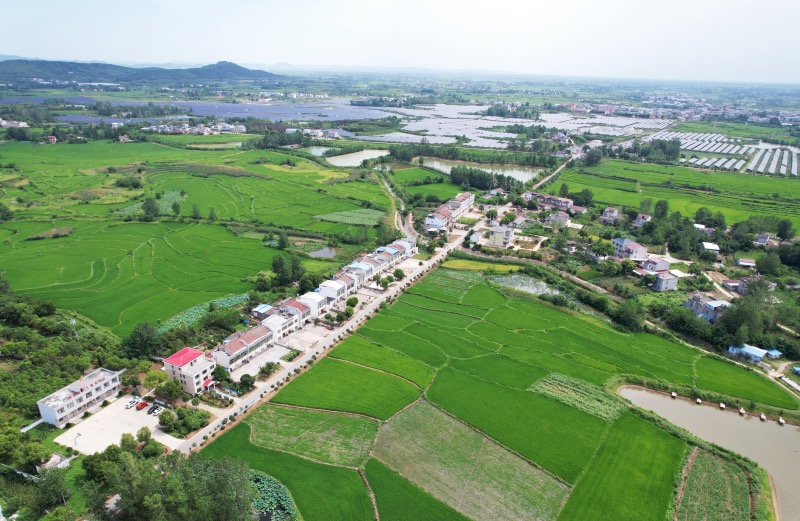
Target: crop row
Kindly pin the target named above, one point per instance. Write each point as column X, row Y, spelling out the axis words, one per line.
column 582, row 395
column 354, row 217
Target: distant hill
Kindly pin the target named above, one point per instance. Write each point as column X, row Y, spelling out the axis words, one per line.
column 23, row 70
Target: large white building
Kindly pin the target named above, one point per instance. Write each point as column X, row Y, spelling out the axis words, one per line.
column 335, row 290
column 79, row 396
column 242, row 346
column 317, row 303
column 281, row 324
column 192, row 369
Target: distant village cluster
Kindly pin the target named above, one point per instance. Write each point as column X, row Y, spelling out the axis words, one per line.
column 202, row 130
column 12, row 124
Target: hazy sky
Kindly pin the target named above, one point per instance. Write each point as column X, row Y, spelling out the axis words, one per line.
column 726, row 40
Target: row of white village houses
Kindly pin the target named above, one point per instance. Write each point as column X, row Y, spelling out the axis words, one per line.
column 193, row 369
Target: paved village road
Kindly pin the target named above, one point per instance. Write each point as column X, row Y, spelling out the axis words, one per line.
column 263, row 390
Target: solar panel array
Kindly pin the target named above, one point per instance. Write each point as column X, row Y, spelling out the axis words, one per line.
column 774, row 161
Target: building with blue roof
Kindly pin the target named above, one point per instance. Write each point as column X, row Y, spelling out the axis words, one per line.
column 753, row 353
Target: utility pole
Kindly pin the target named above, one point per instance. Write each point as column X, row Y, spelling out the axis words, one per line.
column 74, row 331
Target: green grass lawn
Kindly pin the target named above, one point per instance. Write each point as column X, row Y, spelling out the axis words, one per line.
column 321, row 492
column 631, row 477
column 330, row 437
column 400, row 500
column 340, row 386
column 729, row 379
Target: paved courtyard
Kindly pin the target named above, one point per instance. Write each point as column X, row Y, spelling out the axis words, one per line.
column 106, row 426
column 273, row 354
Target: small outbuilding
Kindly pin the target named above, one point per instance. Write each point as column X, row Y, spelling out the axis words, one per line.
column 774, row 354
column 753, row 353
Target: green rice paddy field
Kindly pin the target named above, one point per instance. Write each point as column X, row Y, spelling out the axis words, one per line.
column 470, row 390
column 737, row 196
column 119, row 273
column 405, row 175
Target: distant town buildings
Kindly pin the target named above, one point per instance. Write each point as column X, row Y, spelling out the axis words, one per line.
column 12, row 124
column 202, row 130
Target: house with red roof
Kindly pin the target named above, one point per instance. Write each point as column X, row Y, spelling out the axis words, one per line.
column 294, row 307
column 192, row 369
column 242, row 346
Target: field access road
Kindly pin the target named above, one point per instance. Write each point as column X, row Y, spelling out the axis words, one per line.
column 263, row 391
column 556, row 171
column 564, row 274
column 404, row 225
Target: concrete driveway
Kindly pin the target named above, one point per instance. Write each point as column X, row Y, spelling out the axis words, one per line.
column 106, row 427
column 273, row 354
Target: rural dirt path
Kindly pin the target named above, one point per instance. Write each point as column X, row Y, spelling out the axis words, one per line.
column 555, row 172
column 564, row 274
column 404, row 225
column 684, row 476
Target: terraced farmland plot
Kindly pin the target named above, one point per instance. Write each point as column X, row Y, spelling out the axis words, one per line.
column 426, row 304
column 330, row 437
column 82, row 186
column 471, row 277
column 714, row 490
column 451, row 344
column 501, row 369
column 464, row 470
column 735, row 207
column 483, row 296
column 404, row 343
column 354, row 217
column 321, row 492
column 535, row 426
column 726, row 378
column 435, row 291
column 118, row 274
column 631, row 477
column 625, row 358
column 340, row 386
column 681, row 176
column 361, row 351
column 387, row 322
column 435, row 318
column 400, row 500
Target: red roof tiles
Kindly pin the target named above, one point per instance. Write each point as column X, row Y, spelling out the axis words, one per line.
column 183, row 357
